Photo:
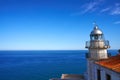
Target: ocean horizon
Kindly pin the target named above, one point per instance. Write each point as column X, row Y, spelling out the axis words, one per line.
column 42, row 64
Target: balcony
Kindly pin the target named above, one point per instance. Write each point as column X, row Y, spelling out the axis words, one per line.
column 97, row 44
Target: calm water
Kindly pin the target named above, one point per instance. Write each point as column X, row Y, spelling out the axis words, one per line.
column 41, row 65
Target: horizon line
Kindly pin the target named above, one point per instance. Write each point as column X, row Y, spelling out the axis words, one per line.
column 53, row 50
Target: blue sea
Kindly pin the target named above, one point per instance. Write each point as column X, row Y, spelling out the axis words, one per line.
column 42, row 65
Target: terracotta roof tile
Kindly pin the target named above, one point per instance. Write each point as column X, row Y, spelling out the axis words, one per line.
column 112, row 63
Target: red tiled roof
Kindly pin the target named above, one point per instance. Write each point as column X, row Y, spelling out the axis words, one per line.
column 112, row 63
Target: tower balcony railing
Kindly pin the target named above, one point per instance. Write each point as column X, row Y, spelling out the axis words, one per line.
column 97, row 44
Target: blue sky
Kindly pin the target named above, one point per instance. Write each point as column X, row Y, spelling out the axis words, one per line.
column 56, row 24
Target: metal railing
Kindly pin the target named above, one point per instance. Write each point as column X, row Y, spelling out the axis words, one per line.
column 97, row 44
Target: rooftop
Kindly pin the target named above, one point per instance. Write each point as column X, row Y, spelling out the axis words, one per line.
column 112, row 63
column 96, row 31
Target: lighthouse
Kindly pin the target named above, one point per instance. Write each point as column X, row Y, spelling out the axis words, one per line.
column 97, row 50
column 97, row 45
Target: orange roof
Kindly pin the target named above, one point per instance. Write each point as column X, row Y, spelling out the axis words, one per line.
column 112, row 63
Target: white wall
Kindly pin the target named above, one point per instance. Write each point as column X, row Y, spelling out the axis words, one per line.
column 114, row 75
column 92, row 71
column 98, row 53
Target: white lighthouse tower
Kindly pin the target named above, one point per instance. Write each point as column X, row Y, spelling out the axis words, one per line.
column 97, row 50
column 97, row 45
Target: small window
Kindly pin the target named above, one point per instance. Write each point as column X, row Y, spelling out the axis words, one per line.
column 108, row 77
column 98, row 75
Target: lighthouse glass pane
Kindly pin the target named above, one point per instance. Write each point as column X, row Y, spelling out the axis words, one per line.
column 92, row 37
column 96, row 37
column 100, row 37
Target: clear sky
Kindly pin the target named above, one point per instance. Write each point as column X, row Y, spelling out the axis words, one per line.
column 56, row 24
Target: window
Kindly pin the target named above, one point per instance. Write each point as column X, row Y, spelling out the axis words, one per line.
column 108, row 77
column 98, row 75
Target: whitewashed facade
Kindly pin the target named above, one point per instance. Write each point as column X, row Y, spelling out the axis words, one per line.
column 104, row 72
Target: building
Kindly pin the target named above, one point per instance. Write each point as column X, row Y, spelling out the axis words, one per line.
column 108, row 69
column 100, row 65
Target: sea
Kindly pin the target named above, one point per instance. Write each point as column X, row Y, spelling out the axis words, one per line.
column 43, row 64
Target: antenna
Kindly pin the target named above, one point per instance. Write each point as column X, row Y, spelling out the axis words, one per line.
column 94, row 23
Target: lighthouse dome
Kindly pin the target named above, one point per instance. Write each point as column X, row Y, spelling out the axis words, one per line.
column 96, row 31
